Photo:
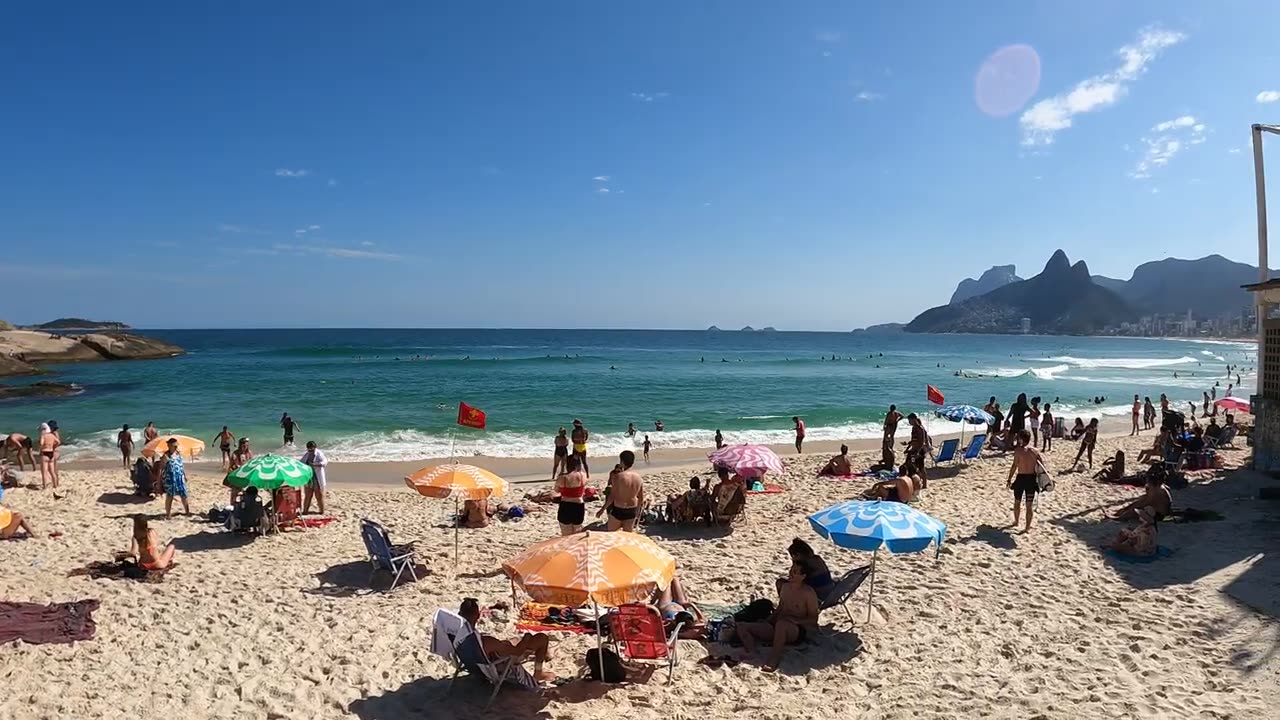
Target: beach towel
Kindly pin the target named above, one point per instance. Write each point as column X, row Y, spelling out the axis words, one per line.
column 542, row 628
column 37, row 624
column 769, row 489
column 850, row 476
column 308, row 522
column 1161, row 552
column 879, row 474
column 120, row 571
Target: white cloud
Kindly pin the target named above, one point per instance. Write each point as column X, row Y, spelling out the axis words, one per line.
column 313, row 227
column 287, row 173
column 241, row 230
column 1268, row 96
column 367, row 243
column 332, row 182
column 1234, row 151
column 1042, row 121
column 603, row 191
column 828, row 36
column 868, row 96
column 300, row 231
column 601, row 178
column 649, row 97
column 1165, row 141
column 335, row 252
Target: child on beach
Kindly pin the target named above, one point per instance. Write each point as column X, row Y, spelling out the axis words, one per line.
column 647, row 445
column 1046, row 429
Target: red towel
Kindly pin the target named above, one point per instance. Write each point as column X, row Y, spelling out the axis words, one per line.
column 57, row 623
column 539, row 627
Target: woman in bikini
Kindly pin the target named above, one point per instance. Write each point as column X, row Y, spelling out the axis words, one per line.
column 143, row 546
column 562, row 452
column 49, row 443
column 11, row 522
column 569, row 489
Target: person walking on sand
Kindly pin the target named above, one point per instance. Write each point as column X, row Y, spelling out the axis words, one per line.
column 1027, row 462
column 1087, row 443
column 891, row 420
column 175, row 479
column 625, row 494
column 579, row 437
column 560, row 454
column 647, row 446
column 289, row 425
column 224, row 440
column 124, row 441
column 315, row 458
column 149, row 432
column 1137, row 410
column 799, row 433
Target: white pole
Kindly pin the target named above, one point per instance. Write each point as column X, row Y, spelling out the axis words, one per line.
column 1260, row 191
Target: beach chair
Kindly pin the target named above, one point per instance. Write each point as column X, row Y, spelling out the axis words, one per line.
column 1226, row 439
column 638, row 633
column 395, row 559
column 733, row 507
column 947, row 452
column 975, row 446
column 844, row 589
column 454, row 639
column 1173, row 458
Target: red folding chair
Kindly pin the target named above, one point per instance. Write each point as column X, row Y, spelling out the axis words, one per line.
column 286, row 504
column 639, row 634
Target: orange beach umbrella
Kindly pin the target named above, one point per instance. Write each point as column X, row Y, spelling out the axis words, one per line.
column 456, row 481
column 609, row 568
column 188, row 446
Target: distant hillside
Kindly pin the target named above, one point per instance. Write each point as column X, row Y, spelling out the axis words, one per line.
column 79, row 324
column 996, row 277
column 881, row 329
column 1062, row 299
column 1112, row 284
column 1209, row 287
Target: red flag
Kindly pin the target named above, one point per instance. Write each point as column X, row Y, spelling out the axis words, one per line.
column 470, row 417
column 935, row 395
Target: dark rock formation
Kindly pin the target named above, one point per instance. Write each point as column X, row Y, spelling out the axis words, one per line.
column 37, row 390
column 118, row 346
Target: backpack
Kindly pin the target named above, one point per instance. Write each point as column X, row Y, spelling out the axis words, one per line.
column 613, row 670
column 757, row 610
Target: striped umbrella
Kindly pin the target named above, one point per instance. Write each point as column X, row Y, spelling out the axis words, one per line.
column 869, row 525
column 1235, row 404
column 270, row 472
column 747, row 460
column 466, row 482
column 966, row 414
column 188, row 446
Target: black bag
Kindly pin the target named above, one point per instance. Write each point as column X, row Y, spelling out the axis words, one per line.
column 613, row 670
column 757, row 610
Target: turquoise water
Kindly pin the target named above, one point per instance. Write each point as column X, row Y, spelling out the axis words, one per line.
column 392, row 394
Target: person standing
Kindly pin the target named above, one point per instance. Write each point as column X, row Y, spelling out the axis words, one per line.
column 626, row 494
column 175, row 479
column 891, row 420
column 224, row 440
column 579, row 436
column 1148, row 413
column 1088, row 442
column 241, row 456
column 1204, row 412
column 1018, row 414
column 570, row 488
column 631, row 430
column 918, row 447
column 560, row 454
column 1027, row 463
column 1230, row 387
column 289, row 425
column 719, row 439
column 799, row 433
column 1046, row 429
column 124, row 441
column 1137, row 409
column 49, row 442
column 647, row 446
column 315, row 458
column 1033, row 419
column 149, row 432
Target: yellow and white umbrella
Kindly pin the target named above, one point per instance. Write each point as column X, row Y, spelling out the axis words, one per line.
column 456, row 481
column 188, row 446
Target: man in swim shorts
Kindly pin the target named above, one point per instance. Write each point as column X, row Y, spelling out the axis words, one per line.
column 1022, row 476
column 626, row 494
column 579, row 437
column 223, row 440
column 289, row 425
column 20, row 446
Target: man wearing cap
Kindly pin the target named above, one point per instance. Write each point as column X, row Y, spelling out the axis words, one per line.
column 579, row 437
column 316, row 459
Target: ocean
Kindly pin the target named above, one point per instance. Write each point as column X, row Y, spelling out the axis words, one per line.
column 393, row 394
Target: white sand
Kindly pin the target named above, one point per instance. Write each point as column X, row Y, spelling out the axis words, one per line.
column 1006, row 625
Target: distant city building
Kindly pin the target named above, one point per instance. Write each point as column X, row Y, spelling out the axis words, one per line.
column 1026, row 326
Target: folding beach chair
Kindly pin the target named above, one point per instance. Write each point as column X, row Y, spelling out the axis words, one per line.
column 731, row 507
column 1226, row 439
column 382, row 554
column 947, row 452
column 639, row 634
column 286, row 503
column 1173, row 458
column 454, row 639
column 844, row 589
column 975, row 446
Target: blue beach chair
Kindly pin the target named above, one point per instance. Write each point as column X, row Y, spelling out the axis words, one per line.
column 975, row 447
column 395, row 559
column 453, row 638
column 947, row 452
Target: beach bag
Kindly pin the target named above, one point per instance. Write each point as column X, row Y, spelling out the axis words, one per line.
column 757, row 610
column 613, row 670
column 1043, row 479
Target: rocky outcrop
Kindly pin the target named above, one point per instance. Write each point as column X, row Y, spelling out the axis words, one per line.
column 881, row 329
column 22, row 350
column 119, row 346
column 996, row 277
column 38, row 390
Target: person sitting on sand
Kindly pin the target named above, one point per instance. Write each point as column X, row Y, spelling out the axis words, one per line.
column 816, row 573
column 900, row 489
column 247, row 513
column 838, row 466
column 142, row 545
column 20, row 446
column 888, row 460
column 1158, row 448
column 475, row 513
column 1140, row 541
column 1077, row 430
column 676, row 609
column 1112, row 468
column 792, row 622
column 11, row 521
column 538, row 645
column 1155, row 496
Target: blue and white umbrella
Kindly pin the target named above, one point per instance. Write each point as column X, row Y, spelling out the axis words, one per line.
column 966, row 414
column 872, row 524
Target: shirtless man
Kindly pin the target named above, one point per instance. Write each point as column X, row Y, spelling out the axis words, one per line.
column 538, row 645
column 838, row 466
column 124, row 441
column 891, row 420
column 900, row 489
column 1022, row 476
column 1156, row 497
column 794, row 620
column 626, row 494
column 224, row 441
column 799, row 433
column 20, row 445
column 579, row 437
column 149, row 432
column 288, row 424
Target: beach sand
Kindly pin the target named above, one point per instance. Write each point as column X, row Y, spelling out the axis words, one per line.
column 1000, row 624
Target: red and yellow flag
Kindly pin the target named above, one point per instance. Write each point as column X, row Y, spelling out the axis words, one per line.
column 470, row 417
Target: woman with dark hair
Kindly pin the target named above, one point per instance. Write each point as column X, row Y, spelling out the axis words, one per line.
column 816, row 573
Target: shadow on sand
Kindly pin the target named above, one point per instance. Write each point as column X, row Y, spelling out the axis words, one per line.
column 358, row 577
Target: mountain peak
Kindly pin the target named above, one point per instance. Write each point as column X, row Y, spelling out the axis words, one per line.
column 1058, row 262
column 996, row 277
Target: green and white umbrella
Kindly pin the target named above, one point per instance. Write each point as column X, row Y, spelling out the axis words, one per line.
column 270, row 472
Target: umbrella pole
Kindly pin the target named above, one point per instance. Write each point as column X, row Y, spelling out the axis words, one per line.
column 456, row 523
column 872, row 592
column 514, row 607
column 599, row 642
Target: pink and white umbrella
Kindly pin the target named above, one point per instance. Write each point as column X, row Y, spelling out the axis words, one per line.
column 747, row 460
column 1234, row 404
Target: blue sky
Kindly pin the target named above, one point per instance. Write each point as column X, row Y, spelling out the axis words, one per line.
column 620, row 164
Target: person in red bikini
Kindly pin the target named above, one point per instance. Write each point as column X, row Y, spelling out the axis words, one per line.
column 143, row 546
